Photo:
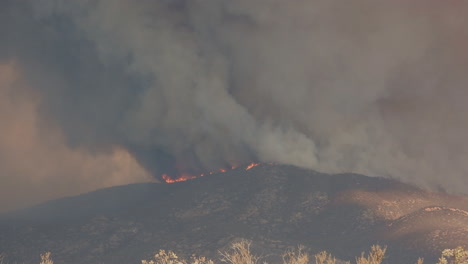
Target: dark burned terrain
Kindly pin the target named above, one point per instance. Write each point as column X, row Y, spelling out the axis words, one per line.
column 275, row 206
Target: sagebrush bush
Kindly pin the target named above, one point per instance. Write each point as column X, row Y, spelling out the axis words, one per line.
column 375, row 256
column 170, row 257
column 296, row 257
column 454, row 256
column 45, row 258
column 239, row 253
column 324, row 258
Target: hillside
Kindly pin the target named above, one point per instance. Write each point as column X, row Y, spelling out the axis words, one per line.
column 275, row 206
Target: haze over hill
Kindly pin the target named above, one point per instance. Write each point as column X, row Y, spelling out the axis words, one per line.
column 97, row 93
column 275, row 206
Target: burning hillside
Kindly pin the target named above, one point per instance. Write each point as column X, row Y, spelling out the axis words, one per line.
column 186, row 177
column 275, row 206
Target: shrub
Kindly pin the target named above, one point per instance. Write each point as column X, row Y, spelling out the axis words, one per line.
column 296, row 257
column 45, row 258
column 170, row 257
column 324, row 258
column 376, row 255
column 239, row 254
column 454, row 256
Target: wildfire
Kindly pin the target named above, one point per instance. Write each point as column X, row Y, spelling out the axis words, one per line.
column 186, row 177
column 251, row 165
column 168, row 179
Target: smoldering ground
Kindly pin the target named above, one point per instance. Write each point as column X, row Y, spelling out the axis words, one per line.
column 373, row 87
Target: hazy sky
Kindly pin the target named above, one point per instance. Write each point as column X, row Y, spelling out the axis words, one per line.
column 99, row 93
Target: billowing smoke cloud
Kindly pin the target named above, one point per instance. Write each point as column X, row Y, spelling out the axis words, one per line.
column 36, row 164
column 374, row 87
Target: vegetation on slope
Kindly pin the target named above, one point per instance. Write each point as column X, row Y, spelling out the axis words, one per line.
column 240, row 253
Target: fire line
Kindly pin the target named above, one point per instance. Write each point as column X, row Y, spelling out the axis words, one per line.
column 186, row 177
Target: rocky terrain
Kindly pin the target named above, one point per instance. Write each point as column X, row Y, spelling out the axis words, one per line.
column 275, row 206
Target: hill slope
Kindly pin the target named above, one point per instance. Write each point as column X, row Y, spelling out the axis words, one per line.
column 275, row 206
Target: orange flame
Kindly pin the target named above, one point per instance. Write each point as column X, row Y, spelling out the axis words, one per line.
column 251, row 165
column 185, row 177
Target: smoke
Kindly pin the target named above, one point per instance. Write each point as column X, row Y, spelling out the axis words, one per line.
column 373, row 87
column 36, row 164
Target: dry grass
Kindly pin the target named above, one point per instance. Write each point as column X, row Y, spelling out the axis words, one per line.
column 240, row 253
column 45, row 258
column 454, row 256
column 296, row 257
column 324, row 258
column 375, row 256
column 170, row 257
column 164, row 257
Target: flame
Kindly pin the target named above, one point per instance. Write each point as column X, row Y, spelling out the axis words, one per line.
column 186, row 177
column 251, row 165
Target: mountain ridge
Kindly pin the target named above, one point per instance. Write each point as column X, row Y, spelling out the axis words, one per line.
column 275, row 206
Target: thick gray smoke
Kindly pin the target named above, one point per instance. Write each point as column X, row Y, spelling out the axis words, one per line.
column 374, row 87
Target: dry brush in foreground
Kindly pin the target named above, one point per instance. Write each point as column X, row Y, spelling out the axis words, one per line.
column 240, row 253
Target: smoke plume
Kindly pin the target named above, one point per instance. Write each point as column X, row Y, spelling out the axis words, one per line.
column 36, row 164
column 186, row 86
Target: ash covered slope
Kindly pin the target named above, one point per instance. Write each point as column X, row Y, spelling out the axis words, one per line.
column 275, row 206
